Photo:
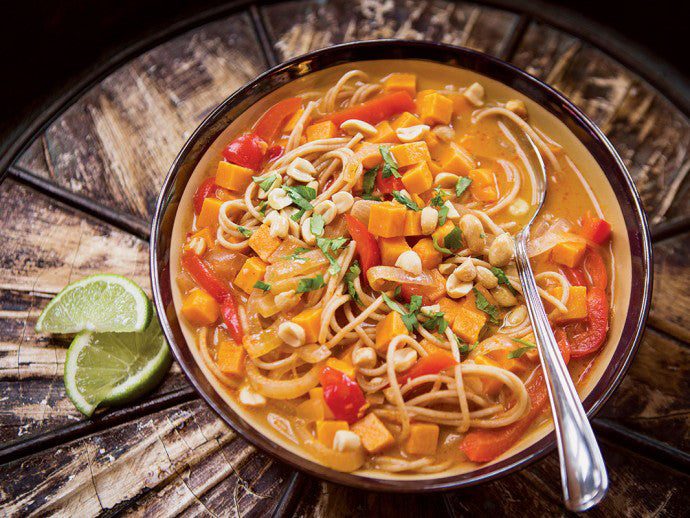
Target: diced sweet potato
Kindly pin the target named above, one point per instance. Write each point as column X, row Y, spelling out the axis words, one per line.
column 391, row 248
column 435, row 108
column 441, row 232
column 342, row 366
column 569, row 254
column 373, row 433
column 325, row 431
column 384, row 133
column 310, row 320
column 468, row 324
column 200, row 308
column 455, row 159
column 409, row 154
column 230, row 358
column 292, row 121
column 413, row 223
column 430, row 257
column 387, row 219
column 577, row 303
column 263, row 243
column 317, row 394
column 401, row 81
column 491, row 386
column 483, row 186
column 253, row 270
column 208, row 217
column 418, row 178
column 405, row 120
column 450, row 308
column 233, row 177
column 388, row 328
column 321, row 130
column 423, row 439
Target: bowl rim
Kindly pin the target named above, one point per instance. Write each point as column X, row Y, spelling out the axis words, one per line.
column 577, row 122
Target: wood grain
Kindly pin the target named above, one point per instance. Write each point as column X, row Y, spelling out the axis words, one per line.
column 298, row 27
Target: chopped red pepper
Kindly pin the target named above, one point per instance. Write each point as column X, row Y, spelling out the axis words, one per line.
column 591, row 340
column 367, row 247
column 206, row 189
column 595, row 269
column 376, row 110
column 575, row 276
column 431, row 364
column 486, row 444
column 204, row 277
column 247, row 150
column 271, row 122
column 595, row 229
column 388, row 185
column 274, row 152
column 342, row 395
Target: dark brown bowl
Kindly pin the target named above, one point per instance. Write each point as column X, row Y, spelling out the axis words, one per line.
column 578, row 123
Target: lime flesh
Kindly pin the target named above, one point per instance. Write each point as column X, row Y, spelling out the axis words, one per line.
column 102, row 303
column 113, row 368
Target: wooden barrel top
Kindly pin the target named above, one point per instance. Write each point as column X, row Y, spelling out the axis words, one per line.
column 79, row 201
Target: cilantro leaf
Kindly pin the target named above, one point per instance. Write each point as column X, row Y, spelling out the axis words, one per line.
column 326, row 244
column 393, row 305
column 296, row 255
column 369, row 178
column 436, row 322
column 300, row 196
column 438, row 247
column 442, row 215
column 437, row 200
column 404, row 200
column 483, row 304
column 523, row 342
column 522, row 350
column 409, row 319
column 262, row 208
column 262, row 286
column 317, row 224
column 265, row 183
column 352, row 273
column 415, row 303
column 453, row 239
column 390, row 168
column 503, row 279
column 244, row 231
column 370, row 197
column 462, row 184
column 310, row 284
column 465, row 347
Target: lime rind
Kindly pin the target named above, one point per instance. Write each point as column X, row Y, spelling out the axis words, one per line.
column 101, row 303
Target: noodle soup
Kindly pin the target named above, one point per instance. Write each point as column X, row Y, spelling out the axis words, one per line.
column 343, row 268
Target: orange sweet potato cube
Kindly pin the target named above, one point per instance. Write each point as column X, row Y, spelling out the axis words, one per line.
column 368, row 154
column 409, row 154
column 200, row 308
column 441, row 232
column 208, row 217
column 388, row 328
column 230, row 358
column 263, row 243
column 341, row 365
column 253, row 270
column 569, row 253
column 449, row 308
column 292, row 121
column 310, row 320
column 468, row 324
column 391, row 248
column 483, row 186
column 321, row 130
column 413, row 223
column 384, row 133
column 373, row 433
column 405, row 120
column 577, row 303
column 455, row 159
column 400, row 81
column 233, row 177
column 423, row 439
column 490, row 386
column 430, row 257
column 435, row 108
column 418, row 178
column 325, row 431
column 387, row 219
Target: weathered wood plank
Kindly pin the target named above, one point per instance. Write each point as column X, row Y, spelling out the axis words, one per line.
column 117, row 142
column 180, row 459
column 298, row 27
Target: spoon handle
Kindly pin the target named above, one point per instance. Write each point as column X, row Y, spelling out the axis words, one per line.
column 583, row 474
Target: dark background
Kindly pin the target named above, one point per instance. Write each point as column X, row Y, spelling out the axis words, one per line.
column 46, row 47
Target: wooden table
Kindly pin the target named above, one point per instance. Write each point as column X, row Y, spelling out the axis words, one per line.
column 79, row 201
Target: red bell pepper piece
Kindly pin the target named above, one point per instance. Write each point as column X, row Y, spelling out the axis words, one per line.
column 486, row 444
column 247, row 150
column 375, row 110
column 595, row 268
column 595, row 229
column 367, row 247
column 274, row 152
column 271, row 122
column 388, row 185
column 575, row 276
column 206, row 189
column 431, row 364
column 342, row 395
column 591, row 340
column 204, row 277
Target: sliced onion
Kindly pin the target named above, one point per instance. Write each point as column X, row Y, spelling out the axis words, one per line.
column 313, row 353
column 346, row 461
column 261, row 343
column 384, row 278
column 225, row 263
column 282, row 389
column 314, row 262
column 287, row 247
column 361, row 209
column 549, row 235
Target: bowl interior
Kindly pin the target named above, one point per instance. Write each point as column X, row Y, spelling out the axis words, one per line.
column 589, row 150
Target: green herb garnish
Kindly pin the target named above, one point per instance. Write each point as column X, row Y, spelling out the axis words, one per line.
column 300, row 196
column 408, row 318
column 453, row 239
column 326, row 244
column 436, row 322
column 352, row 273
column 310, row 284
column 244, row 231
column 296, row 255
column 265, row 183
column 404, row 200
column 317, row 224
column 442, row 215
column 262, row 208
column 522, row 350
column 438, row 247
column 483, row 304
column 390, row 168
column 370, row 197
column 437, row 200
column 503, row 279
column 262, row 286
column 369, row 179
column 461, row 185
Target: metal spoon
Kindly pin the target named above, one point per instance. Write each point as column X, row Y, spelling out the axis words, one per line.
column 583, row 473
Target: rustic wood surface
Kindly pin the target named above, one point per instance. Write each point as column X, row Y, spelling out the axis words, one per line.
column 113, row 147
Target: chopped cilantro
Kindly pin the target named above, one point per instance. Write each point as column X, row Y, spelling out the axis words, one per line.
column 503, row 279
column 390, row 168
column 265, row 183
column 393, row 305
column 436, row 322
column 296, row 255
column 519, row 352
column 437, row 200
column 369, row 178
column 523, row 342
column 404, row 200
column 262, row 208
column 415, row 303
column 244, row 231
column 262, row 286
column 370, row 197
column 352, row 273
column 438, row 247
column 483, row 305
column 326, row 244
column 317, row 224
column 462, row 184
column 300, row 196
column 442, row 215
column 453, row 239
column 464, row 348
column 310, row 284
column 409, row 319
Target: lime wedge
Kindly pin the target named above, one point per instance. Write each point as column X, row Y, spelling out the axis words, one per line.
column 102, row 303
column 110, row 368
